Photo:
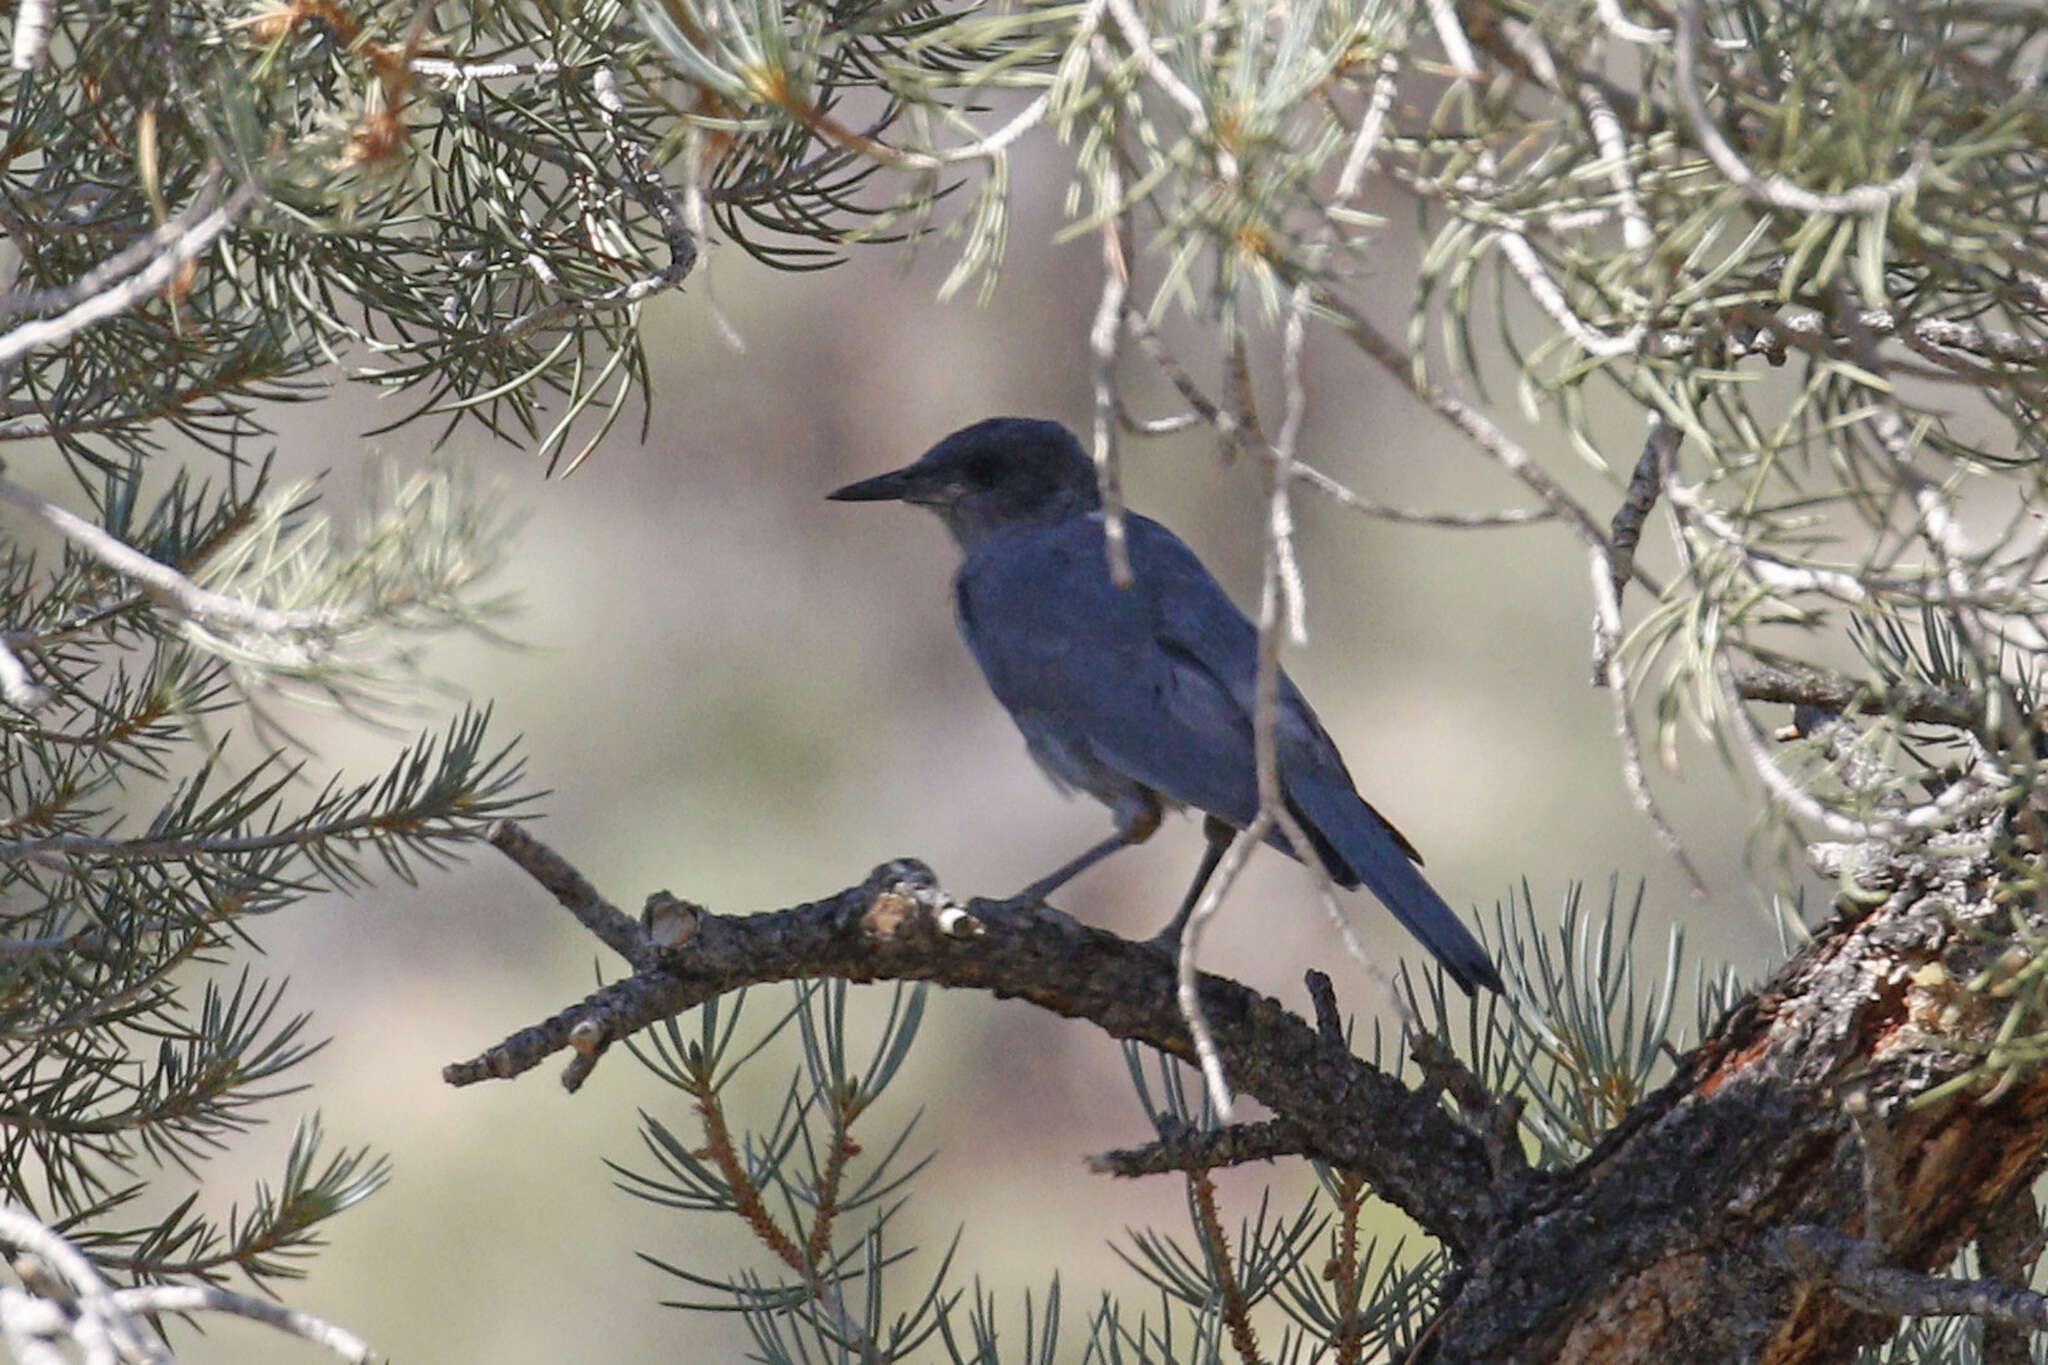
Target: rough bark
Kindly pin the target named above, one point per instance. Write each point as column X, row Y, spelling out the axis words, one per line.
column 1759, row 1206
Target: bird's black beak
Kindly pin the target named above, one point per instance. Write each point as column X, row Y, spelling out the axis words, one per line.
column 898, row 485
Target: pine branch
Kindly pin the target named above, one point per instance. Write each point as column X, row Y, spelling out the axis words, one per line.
column 900, row 926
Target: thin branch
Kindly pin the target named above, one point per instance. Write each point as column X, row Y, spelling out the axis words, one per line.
column 193, row 1298
column 101, row 1314
column 1482, row 431
column 612, row 926
column 1843, row 695
column 1102, row 348
column 1139, row 40
column 646, row 185
column 167, row 255
column 1612, row 675
column 1626, row 530
column 162, row 584
column 1958, row 800
column 1524, row 261
column 1624, row 28
column 1455, row 521
column 32, row 22
column 1607, row 135
column 442, row 69
column 1211, row 1149
column 1443, row 16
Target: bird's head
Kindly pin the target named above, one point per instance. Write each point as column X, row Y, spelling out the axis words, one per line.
column 998, row 473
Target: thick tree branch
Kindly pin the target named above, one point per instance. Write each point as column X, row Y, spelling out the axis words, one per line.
column 1707, row 1226
column 900, row 926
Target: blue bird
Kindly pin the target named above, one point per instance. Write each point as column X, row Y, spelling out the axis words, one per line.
column 1143, row 696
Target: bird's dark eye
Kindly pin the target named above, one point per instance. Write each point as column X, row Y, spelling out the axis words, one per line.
column 982, row 470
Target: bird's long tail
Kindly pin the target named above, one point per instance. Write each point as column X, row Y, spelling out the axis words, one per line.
column 1354, row 839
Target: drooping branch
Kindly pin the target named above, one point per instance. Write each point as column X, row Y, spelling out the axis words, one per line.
column 899, row 925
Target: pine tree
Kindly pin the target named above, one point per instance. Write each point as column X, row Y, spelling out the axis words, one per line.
column 1775, row 266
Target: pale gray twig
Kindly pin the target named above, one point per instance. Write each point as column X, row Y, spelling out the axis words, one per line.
column 1443, row 16
column 443, row 69
column 654, row 193
column 194, row 1298
column 1612, row 674
column 159, row 582
column 32, row 23
column 1481, row 430
column 1139, row 40
column 1102, row 349
column 101, row 1318
column 1624, row 28
column 1613, row 144
column 1460, row 521
column 15, row 685
column 133, row 274
column 1957, row 800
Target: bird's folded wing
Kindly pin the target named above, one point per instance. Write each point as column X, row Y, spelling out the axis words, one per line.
column 1073, row 656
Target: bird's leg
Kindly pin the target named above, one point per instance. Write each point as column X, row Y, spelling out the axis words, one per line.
column 1137, row 817
column 1219, row 834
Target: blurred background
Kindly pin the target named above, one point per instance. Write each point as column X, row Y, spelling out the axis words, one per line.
column 749, row 696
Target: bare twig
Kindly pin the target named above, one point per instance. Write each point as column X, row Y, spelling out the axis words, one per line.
column 1526, row 264
column 1832, row 692
column 101, row 1316
column 1960, row 799
column 1457, row 47
column 1453, row 521
column 1611, row 674
column 1626, row 530
column 613, row 927
column 442, row 69
column 1482, row 431
column 1102, row 347
column 1622, row 27
column 1613, row 144
column 194, row 1298
column 1205, row 1150
column 1139, row 40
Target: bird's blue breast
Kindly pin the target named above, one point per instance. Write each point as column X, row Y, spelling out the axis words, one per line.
column 1114, row 687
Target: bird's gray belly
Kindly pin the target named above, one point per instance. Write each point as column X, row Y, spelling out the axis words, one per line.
column 1073, row 763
